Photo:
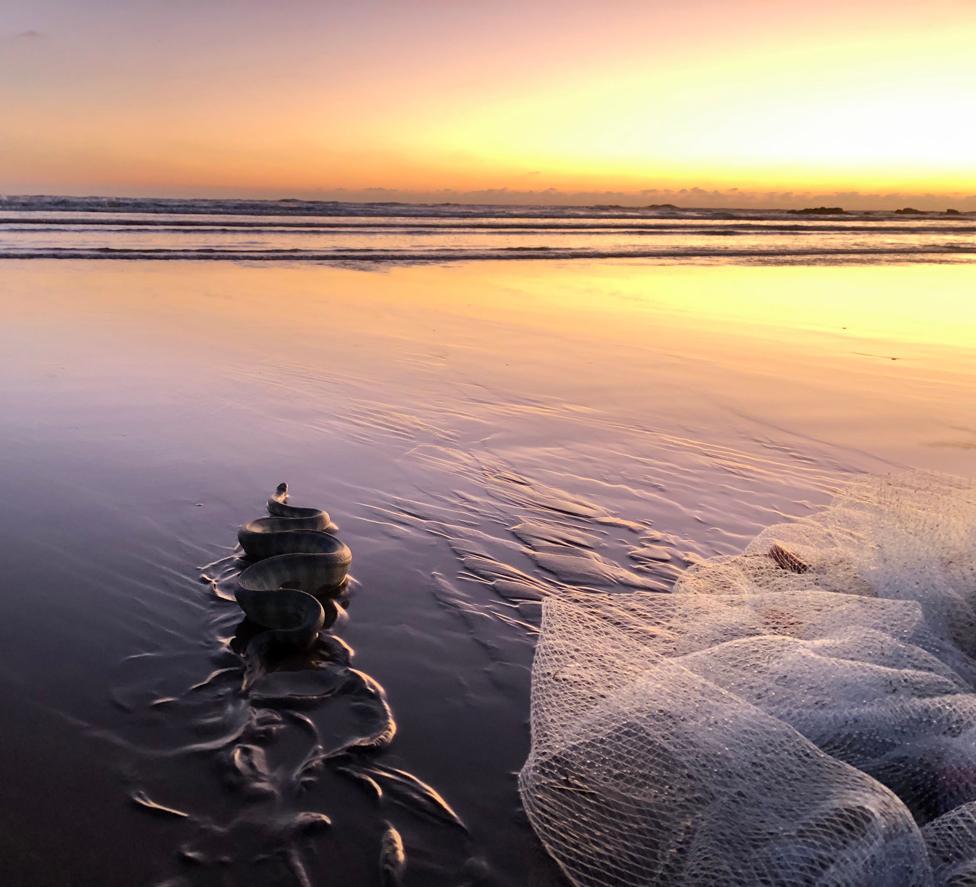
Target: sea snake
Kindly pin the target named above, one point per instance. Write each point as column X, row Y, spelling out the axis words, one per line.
column 296, row 558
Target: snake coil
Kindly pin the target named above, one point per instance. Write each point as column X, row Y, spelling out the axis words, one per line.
column 296, row 560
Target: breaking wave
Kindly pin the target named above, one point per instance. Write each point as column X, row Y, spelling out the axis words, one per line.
column 331, row 232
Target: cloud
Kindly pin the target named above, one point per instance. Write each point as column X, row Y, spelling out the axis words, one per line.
column 20, row 38
column 687, row 197
column 691, row 197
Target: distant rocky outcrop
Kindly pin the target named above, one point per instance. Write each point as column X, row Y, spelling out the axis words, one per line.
column 661, row 206
column 818, row 211
column 908, row 211
column 953, row 212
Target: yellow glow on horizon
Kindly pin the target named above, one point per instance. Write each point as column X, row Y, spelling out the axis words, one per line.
column 724, row 96
column 835, row 117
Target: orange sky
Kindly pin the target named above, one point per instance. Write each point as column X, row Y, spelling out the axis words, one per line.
column 749, row 101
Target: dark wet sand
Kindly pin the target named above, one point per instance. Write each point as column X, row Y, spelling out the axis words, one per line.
column 482, row 434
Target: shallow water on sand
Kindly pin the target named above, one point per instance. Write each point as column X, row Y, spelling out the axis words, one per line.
column 483, row 434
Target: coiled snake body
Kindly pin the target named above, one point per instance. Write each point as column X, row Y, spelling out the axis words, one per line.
column 297, row 559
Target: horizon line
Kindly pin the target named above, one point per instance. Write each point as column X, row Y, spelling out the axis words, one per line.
column 836, row 208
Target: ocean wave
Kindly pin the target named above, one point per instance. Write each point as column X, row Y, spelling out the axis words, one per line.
column 414, row 224
column 310, row 231
column 959, row 252
column 328, row 208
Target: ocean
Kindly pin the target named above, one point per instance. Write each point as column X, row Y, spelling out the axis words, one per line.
column 295, row 230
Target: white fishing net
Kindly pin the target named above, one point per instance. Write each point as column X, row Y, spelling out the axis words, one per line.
column 951, row 840
column 803, row 713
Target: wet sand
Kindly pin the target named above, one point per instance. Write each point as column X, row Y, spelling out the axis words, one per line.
column 483, row 434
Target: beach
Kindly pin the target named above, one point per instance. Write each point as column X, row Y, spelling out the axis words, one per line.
column 484, row 433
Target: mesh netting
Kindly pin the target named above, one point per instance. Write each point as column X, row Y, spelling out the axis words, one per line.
column 951, row 840
column 792, row 715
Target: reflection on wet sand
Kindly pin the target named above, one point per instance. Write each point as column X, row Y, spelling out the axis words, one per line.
column 491, row 435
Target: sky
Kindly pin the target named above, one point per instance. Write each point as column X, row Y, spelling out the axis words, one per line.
column 701, row 103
